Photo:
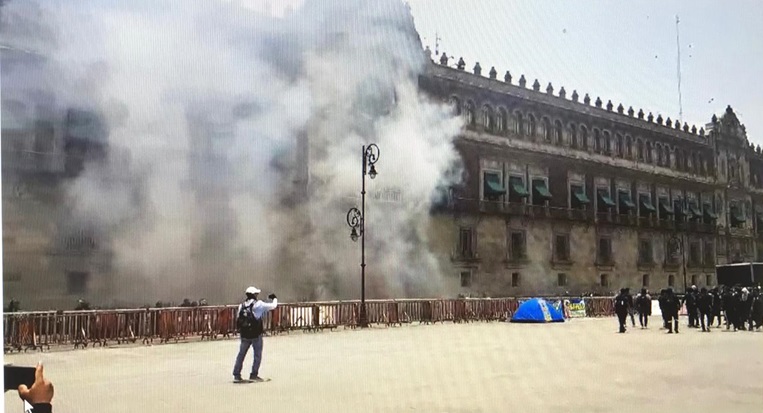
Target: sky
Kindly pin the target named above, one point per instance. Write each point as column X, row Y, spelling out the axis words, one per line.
column 623, row 51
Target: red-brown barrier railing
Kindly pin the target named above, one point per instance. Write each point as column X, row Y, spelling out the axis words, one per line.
column 39, row 330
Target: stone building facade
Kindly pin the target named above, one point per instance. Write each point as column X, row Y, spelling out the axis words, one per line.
column 565, row 193
column 49, row 258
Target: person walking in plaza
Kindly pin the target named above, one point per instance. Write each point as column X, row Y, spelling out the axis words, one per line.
column 690, row 299
column 672, row 308
column 663, row 308
column 717, row 307
column 621, row 308
column 705, row 307
column 631, row 306
column 250, row 326
column 644, row 307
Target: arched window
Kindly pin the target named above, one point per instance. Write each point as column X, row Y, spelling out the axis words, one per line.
column 679, row 159
column 695, row 163
column 596, row 141
column 469, row 113
column 658, row 150
column 607, row 143
column 573, row 135
column 487, row 117
column 648, row 152
column 520, row 125
column 502, row 123
column 531, row 126
column 639, row 149
column 558, row 133
column 701, row 164
column 667, row 156
column 583, row 137
column 455, row 106
column 628, row 147
column 547, row 131
column 619, row 145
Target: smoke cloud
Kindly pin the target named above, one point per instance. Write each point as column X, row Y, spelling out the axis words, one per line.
column 235, row 136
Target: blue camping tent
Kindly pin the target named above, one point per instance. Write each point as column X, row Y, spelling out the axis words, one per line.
column 537, row 310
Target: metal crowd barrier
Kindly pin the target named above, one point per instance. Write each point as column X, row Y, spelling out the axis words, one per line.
column 25, row 331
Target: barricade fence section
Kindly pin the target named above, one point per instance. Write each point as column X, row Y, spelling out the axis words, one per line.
column 39, row 330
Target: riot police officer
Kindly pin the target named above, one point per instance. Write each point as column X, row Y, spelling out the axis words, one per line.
column 621, row 308
column 705, row 307
column 672, row 307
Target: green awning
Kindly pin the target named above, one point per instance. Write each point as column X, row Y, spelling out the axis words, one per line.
column 518, row 188
column 737, row 217
column 493, row 187
column 697, row 214
column 625, row 200
column 581, row 198
column 679, row 210
column 646, row 204
column 605, row 199
column 665, row 208
column 541, row 190
column 709, row 213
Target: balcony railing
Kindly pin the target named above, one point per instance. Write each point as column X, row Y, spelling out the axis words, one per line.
column 500, row 207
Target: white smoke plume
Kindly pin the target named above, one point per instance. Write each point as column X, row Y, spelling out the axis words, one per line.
column 212, row 110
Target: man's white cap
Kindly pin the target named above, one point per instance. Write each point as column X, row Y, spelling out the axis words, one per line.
column 253, row 290
column 744, row 290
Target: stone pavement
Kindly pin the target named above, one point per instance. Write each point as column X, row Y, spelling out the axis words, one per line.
column 582, row 365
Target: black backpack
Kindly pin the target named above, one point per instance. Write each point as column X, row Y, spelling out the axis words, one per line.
column 246, row 321
column 621, row 302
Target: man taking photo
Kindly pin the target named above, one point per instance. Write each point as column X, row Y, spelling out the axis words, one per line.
column 250, row 316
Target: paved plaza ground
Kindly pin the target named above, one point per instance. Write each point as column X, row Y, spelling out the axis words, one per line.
column 578, row 366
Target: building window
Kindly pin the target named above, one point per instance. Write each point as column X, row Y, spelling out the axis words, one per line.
column 671, row 280
column 541, row 193
column 708, row 279
column 640, row 150
column 584, row 138
column 515, row 279
column 607, row 143
column 672, row 251
column 645, row 251
column 76, row 282
column 558, row 133
column 694, row 254
column 709, row 251
column 605, row 251
column 547, row 130
column 466, row 242
column 517, row 189
column 562, row 247
column 455, row 106
column 578, row 198
column 604, row 280
column 466, row 279
column 649, row 152
column 501, row 124
column 573, row 136
column 605, row 202
column 645, row 280
column 492, row 188
column 531, row 126
column 597, row 141
column 561, row 279
column 695, row 279
column 470, row 119
column 629, row 147
column 619, row 145
column 487, row 117
column 517, row 247
column 520, row 125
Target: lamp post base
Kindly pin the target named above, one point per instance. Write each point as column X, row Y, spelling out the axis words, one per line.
column 363, row 321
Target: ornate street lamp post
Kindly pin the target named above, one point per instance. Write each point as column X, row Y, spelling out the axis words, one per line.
column 357, row 222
